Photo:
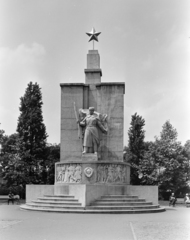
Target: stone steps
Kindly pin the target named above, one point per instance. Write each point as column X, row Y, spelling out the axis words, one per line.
column 47, row 206
column 101, row 203
column 57, row 199
column 106, row 204
column 59, row 196
column 56, row 202
column 124, row 207
column 119, row 196
column 93, row 211
column 121, row 200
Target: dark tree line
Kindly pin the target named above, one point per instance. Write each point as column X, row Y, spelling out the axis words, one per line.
column 26, row 157
column 163, row 162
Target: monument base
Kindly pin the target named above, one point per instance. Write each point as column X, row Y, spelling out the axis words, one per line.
column 88, row 193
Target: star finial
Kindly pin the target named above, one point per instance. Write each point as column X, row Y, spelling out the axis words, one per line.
column 93, row 35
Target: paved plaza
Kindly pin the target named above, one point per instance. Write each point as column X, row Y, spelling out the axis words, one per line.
column 16, row 224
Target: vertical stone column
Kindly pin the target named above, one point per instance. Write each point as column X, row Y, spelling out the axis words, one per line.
column 106, row 98
column 110, row 100
column 93, row 72
column 93, row 75
column 71, row 145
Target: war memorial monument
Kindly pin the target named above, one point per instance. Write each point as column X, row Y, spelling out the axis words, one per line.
column 91, row 176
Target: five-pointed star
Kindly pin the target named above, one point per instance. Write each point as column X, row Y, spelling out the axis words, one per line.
column 93, row 35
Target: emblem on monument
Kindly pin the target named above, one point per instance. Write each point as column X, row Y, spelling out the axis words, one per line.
column 88, row 171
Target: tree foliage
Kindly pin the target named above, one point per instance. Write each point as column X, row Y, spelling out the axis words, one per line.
column 32, row 132
column 136, row 146
column 165, row 162
column 26, row 158
column 172, row 158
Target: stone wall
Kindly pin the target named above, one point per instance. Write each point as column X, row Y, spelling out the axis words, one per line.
column 110, row 100
column 71, row 145
column 107, row 98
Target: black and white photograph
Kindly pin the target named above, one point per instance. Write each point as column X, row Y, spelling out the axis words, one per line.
column 94, row 119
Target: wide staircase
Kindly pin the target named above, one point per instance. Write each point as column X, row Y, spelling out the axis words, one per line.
column 106, row 204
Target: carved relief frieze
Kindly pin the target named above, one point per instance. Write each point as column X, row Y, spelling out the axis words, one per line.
column 111, row 173
column 68, row 173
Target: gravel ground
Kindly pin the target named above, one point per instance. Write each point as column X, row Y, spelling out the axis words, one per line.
column 174, row 224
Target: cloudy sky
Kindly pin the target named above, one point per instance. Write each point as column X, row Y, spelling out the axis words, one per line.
column 144, row 43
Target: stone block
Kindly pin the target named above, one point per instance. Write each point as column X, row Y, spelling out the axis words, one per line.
column 61, row 189
column 113, row 144
column 93, row 77
column 79, row 191
column 115, row 128
column 92, row 100
column 70, row 146
column 69, row 124
column 150, row 193
column 70, row 99
column 70, row 135
column 93, row 59
column 35, row 191
column 110, row 155
column 72, row 88
column 110, row 102
column 71, row 93
column 68, row 112
column 89, row 157
column 110, row 88
column 70, row 156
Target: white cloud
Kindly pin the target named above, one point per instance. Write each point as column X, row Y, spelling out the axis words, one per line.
column 18, row 67
column 22, row 57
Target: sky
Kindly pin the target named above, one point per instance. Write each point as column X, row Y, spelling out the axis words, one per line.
column 144, row 43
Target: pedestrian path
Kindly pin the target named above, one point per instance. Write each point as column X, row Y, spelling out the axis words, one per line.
column 16, row 224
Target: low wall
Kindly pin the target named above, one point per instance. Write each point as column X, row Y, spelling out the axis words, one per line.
column 150, row 193
column 35, row 191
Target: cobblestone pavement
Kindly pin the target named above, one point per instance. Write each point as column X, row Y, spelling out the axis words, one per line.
column 15, row 224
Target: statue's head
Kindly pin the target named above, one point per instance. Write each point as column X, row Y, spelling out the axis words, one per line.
column 91, row 110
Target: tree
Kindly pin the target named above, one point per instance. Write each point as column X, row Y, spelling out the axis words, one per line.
column 32, row 132
column 170, row 160
column 148, row 165
column 11, row 166
column 187, row 154
column 187, row 149
column 52, row 156
column 136, row 146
